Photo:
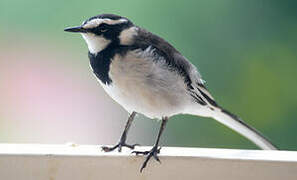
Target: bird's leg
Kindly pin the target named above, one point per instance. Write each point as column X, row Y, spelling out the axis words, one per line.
column 155, row 150
column 123, row 137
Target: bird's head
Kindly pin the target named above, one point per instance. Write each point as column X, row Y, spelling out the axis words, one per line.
column 105, row 29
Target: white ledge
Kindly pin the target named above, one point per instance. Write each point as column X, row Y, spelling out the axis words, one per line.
column 62, row 162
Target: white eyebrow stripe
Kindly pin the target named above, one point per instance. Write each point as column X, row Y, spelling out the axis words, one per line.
column 96, row 22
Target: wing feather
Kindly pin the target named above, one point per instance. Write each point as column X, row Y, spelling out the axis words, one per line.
column 173, row 58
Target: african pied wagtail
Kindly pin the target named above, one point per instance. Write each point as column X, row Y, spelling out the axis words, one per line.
column 145, row 74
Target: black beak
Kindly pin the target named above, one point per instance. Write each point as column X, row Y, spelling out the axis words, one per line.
column 76, row 29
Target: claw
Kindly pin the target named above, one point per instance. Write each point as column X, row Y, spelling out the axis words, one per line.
column 157, row 159
column 119, row 146
column 152, row 153
column 155, row 155
column 140, row 152
column 108, row 149
column 132, row 146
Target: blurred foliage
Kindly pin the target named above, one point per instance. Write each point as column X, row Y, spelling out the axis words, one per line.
column 245, row 50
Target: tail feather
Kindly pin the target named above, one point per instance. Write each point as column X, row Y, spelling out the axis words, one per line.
column 235, row 123
column 229, row 119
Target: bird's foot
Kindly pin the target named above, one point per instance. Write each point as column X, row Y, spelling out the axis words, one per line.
column 119, row 146
column 152, row 153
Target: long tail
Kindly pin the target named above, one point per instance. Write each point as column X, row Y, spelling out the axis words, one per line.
column 242, row 128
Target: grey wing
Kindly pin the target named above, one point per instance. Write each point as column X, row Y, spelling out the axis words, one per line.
column 196, row 84
column 199, row 92
column 179, row 63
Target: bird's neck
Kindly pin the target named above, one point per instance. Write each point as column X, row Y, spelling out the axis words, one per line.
column 95, row 44
column 100, row 62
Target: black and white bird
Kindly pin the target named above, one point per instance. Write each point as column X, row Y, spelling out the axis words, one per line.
column 145, row 74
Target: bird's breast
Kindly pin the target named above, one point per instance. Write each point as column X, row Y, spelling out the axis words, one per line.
column 144, row 86
column 100, row 64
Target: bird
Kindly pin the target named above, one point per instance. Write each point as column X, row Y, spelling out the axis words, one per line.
column 146, row 75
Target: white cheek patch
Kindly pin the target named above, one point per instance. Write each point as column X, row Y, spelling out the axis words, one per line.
column 96, row 22
column 98, row 43
column 95, row 43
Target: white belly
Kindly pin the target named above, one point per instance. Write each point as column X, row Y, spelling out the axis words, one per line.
column 147, row 103
column 147, row 88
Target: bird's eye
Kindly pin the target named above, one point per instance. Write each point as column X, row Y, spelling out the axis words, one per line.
column 103, row 29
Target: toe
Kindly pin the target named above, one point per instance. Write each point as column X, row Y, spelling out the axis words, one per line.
column 157, row 158
column 108, row 149
column 140, row 152
column 105, row 149
column 133, row 146
column 120, row 149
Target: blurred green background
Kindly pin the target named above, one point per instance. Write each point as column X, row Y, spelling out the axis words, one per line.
column 245, row 50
